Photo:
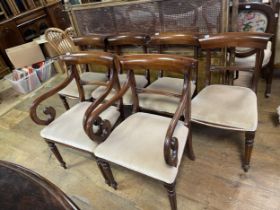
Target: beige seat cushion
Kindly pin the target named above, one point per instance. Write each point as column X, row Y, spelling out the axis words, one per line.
column 141, row 81
column 68, row 128
column 72, row 90
column 163, row 103
column 141, row 149
column 228, row 107
column 250, row 60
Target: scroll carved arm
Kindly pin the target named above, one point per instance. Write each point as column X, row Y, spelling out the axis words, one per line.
column 92, row 117
column 49, row 111
column 171, row 143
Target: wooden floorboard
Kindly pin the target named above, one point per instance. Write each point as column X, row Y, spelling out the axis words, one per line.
column 214, row 181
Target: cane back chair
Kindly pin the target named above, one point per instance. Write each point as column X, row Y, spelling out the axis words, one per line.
column 150, row 144
column 63, row 44
column 223, row 105
column 182, row 42
column 67, row 129
column 257, row 17
column 122, row 44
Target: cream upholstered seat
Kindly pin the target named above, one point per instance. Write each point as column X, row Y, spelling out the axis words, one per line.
column 71, row 90
column 68, row 129
column 145, row 153
column 141, row 81
column 160, row 102
column 228, row 107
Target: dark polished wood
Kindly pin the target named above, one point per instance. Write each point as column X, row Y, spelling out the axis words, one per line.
column 249, row 143
column 136, row 39
column 57, row 154
column 21, row 188
column 233, row 40
column 116, row 43
column 107, row 173
column 171, row 195
column 90, row 41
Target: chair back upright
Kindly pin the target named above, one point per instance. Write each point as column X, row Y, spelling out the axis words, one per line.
column 155, row 62
column 74, row 60
column 118, row 42
column 164, row 40
column 91, row 42
column 230, row 41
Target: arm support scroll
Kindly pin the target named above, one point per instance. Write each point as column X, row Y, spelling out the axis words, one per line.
column 171, row 144
column 92, row 117
column 49, row 111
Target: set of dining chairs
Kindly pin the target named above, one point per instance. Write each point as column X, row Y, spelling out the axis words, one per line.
column 152, row 138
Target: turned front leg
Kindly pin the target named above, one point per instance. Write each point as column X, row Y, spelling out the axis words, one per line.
column 56, row 153
column 249, row 142
column 107, row 173
column 171, row 194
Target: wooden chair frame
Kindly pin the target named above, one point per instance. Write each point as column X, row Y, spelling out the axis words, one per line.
column 72, row 44
column 165, row 39
column 117, row 42
column 87, row 42
column 72, row 60
column 231, row 40
column 156, row 62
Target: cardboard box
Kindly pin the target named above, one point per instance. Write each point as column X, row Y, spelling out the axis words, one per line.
column 25, row 55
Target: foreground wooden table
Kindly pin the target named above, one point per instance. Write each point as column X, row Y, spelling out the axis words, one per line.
column 21, row 188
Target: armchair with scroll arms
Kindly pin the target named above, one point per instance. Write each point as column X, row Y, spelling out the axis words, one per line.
column 150, row 144
column 67, row 129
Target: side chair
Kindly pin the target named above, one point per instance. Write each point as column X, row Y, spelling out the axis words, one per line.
column 123, row 44
column 63, row 44
column 150, row 144
column 67, row 129
column 89, row 42
column 222, row 105
column 176, row 41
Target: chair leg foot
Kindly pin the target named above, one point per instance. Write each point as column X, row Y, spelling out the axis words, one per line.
column 64, row 101
column 57, row 154
column 249, row 142
column 171, row 195
column 107, row 173
column 268, row 90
